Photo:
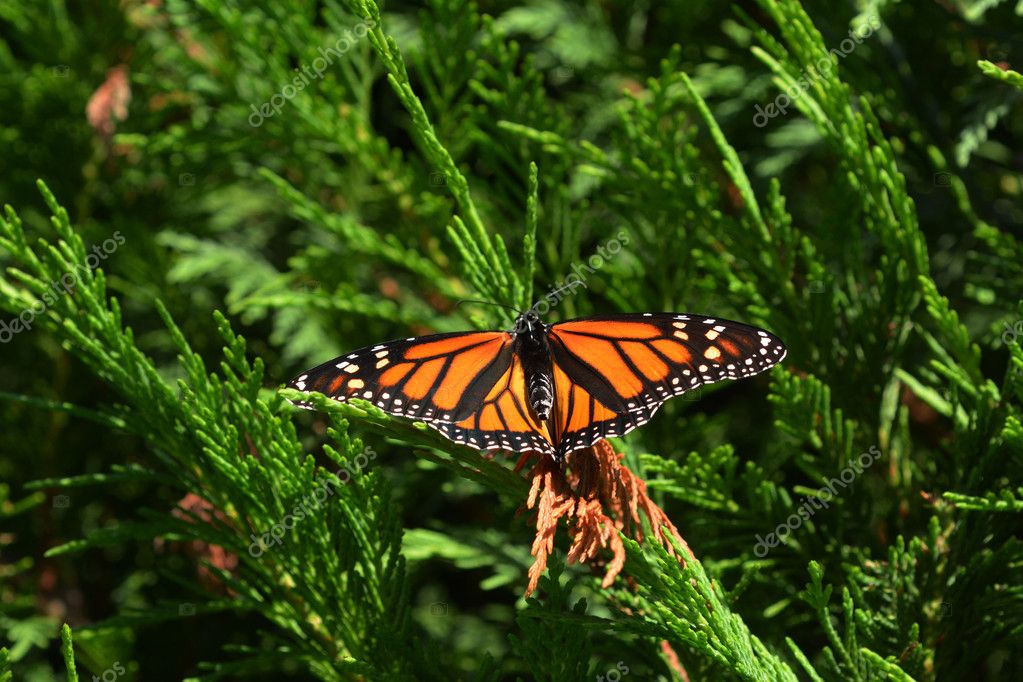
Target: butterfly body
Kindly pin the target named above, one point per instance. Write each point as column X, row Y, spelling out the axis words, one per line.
column 530, row 343
column 547, row 388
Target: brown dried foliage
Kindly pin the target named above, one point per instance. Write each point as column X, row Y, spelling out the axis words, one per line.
column 195, row 509
column 598, row 496
column 109, row 104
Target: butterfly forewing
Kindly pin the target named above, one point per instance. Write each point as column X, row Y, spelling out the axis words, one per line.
column 441, row 378
column 612, row 373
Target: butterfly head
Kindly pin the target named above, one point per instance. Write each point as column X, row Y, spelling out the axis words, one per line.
column 527, row 323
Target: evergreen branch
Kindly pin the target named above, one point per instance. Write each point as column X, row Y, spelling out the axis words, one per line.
column 359, row 238
column 68, row 652
column 888, row 668
column 1002, row 501
column 963, row 354
column 529, row 239
column 553, row 639
column 110, row 421
column 1008, row 76
column 853, row 131
column 804, row 662
column 121, row 473
column 818, row 596
column 474, row 261
column 493, row 251
column 205, row 431
column 732, row 164
column 468, row 462
column 682, row 604
column 702, row 481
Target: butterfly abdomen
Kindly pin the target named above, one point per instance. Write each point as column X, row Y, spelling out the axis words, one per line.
column 536, row 365
column 541, row 394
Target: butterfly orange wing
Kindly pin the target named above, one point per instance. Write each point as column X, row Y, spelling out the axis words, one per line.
column 442, row 377
column 468, row 386
column 612, row 373
column 504, row 420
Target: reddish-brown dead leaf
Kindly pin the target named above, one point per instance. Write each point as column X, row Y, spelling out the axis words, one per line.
column 598, row 497
column 109, row 104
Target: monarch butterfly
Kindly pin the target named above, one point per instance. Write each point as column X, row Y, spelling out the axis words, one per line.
column 547, row 388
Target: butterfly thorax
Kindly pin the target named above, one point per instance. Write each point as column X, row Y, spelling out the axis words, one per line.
column 533, row 349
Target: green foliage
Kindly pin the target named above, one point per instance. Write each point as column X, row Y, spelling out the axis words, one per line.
column 854, row 516
column 552, row 643
column 68, row 651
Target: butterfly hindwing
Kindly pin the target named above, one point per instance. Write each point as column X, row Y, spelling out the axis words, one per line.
column 503, row 420
column 439, row 378
column 581, row 419
column 612, row 373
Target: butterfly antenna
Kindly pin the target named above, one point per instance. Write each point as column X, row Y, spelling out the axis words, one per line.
column 500, row 305
column 554, row 291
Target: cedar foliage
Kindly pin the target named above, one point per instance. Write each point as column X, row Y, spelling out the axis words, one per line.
column 455, row 150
